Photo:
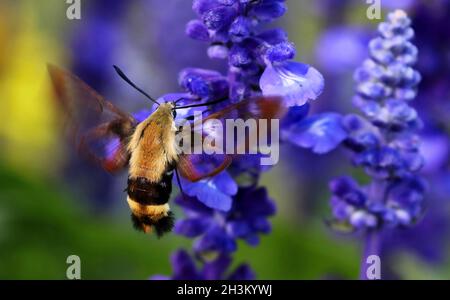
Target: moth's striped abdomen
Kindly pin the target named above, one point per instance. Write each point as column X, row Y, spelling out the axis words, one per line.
column 148, row 202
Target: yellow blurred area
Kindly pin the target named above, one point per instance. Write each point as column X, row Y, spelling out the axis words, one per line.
column 27, row 131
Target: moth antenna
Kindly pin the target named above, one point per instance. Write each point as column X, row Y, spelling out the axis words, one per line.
column 127, row 80
column 202, row 104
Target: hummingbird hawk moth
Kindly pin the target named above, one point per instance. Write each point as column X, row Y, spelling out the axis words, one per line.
column 147, row 148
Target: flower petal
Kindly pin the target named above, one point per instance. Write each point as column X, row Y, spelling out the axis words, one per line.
column 243, row 272
column 215, row 270
column 296, row 82
column 215, row 193
column 183, row 266
column 216, row 239
column 192, row 227
column 322, row 133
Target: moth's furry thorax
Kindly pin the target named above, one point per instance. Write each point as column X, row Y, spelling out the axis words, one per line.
column 152, row 146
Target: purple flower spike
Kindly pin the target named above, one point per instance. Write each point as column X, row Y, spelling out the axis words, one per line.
column 383, row 141
column 218, row 212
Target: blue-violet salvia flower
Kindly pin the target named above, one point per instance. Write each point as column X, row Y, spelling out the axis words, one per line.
column 260, row 61
column 383, row 140
column 218, row 211
column 217, row 230
column 429, row 237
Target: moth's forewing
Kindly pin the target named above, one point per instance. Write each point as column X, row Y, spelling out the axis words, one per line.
column 92, row 122
column 195, row 167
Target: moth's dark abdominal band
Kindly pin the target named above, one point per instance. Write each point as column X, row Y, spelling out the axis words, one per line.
column 148, row 203
column 145, row 192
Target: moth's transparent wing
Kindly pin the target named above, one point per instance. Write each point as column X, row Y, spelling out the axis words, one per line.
column 97, row 128
column 218, row 131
